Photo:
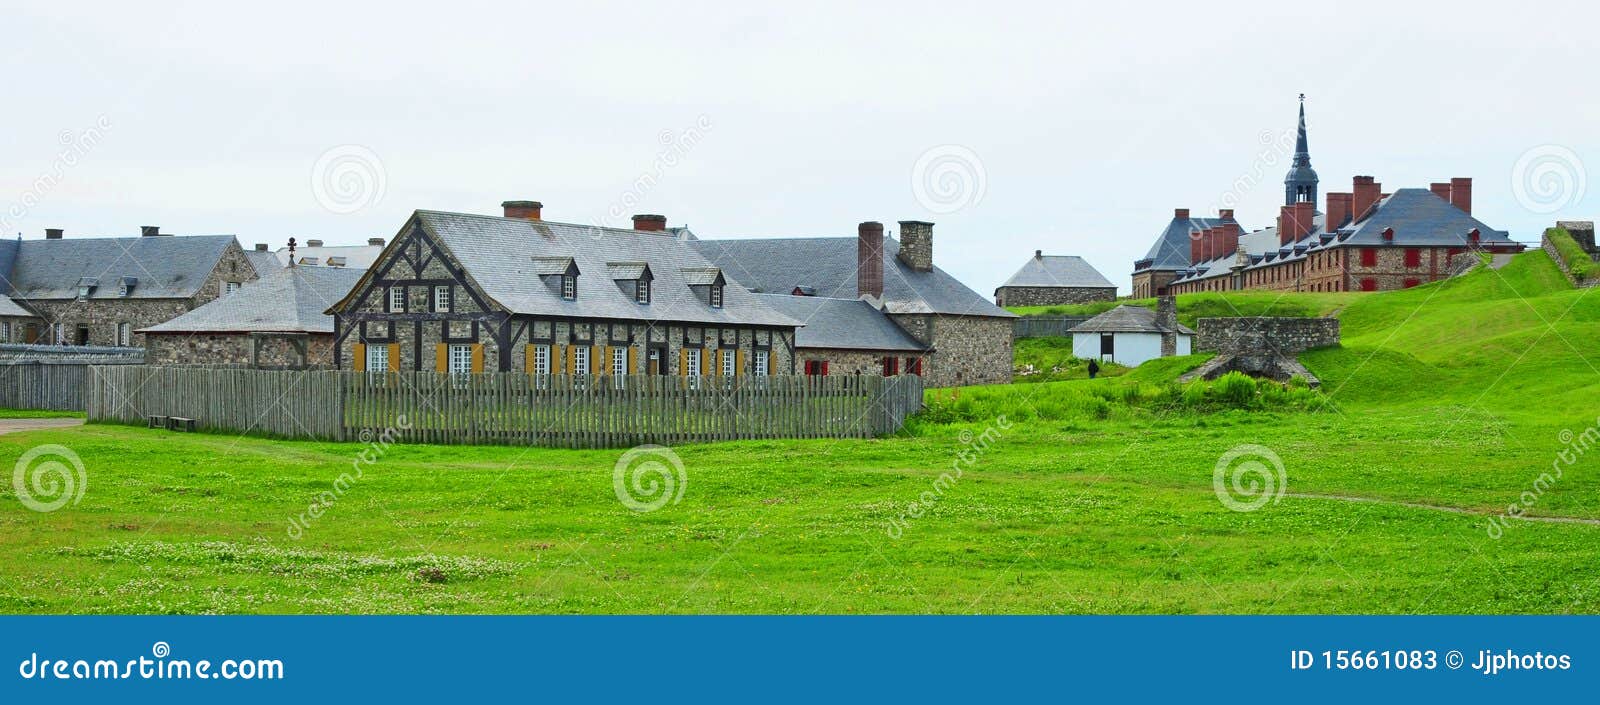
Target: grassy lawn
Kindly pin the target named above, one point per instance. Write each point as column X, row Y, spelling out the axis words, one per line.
column 1444, row 406
column 39, row 414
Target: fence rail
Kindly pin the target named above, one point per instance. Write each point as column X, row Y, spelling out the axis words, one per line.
column 1045, row 326
column 583, row 411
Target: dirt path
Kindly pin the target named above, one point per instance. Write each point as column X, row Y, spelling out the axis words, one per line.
column 1498, row 261
column 14, row 425
column 1438, row 508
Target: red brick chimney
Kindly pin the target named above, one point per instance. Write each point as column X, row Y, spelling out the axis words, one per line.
column 1208, row 244
column 1180, row 213
column 1197, row 252
column 527, row 210
column 1440, row 189
column 1305, row 215
column 1461, row 194
column 1364, row 195
column 1225, row 213
column 1337, row 212
column 649, row 222
column 1285, row 224
column 869, row 259
column 1230, row 238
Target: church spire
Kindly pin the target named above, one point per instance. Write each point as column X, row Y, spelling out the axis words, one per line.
column 1300, row 184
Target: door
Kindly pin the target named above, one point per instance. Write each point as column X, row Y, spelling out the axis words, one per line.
column 1108, row 346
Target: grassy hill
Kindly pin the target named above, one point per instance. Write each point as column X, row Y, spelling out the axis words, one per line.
column 1213, row 304
column 1444, row 406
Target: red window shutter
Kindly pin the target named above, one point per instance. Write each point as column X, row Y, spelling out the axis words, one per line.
column 1412, row 282
column 1369, row 285
column 824, row 368
column 1369, row 257
column 1413, row 258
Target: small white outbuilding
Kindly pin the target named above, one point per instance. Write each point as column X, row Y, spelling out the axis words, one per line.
column 1130, row 335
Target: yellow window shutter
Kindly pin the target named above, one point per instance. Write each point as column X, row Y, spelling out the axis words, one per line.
column 441, row 358
column 394, row 357
column 769, row 361
column 572, row 360
column 477, row 359
column 527, row 359
column 558, row 359
column 683, row 361
column 633, row 363
column 738, row 361
column 360, row 352
column 705, row 362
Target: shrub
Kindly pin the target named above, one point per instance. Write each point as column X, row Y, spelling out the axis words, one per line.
column 1235, row 389
column 1195, row 394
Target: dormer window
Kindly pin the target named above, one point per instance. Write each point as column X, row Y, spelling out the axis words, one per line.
column 86, row 287
column 716, row 296
column 706, row 283
column 569, row 287
column 641, row 292
column 125, row 288
column 559, row 274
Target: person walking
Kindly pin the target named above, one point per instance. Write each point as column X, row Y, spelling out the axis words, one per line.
column 1094, row 369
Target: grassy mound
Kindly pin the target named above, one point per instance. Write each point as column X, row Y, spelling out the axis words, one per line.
column 1192, row 307
column 1578, row 262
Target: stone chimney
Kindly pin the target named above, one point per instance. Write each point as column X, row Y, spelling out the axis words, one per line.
column 149, row 230
column 1364, row 195
column 313, row 243
column 869, row 259
column 916, row 245
column 261, row 247
column 1167, row 321
column 53, row 233
column 1038, row 254
column 375, row 242
column 649, row 222
column 1338, row 211
column 523, row 210
column 1461, row 194
column 1440, row 189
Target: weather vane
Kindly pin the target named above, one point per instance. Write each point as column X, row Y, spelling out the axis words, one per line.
column 1302, row 97
column 291, row 252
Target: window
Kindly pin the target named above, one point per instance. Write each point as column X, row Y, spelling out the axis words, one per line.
column 1413, row 258
column 377, row 360
column 691, row 367
column 619, row 368
column 641, row 292
column 580, row 360
column 441, row 299
column 816, row 368
column 229, row 287
column 1369, row 257
column 569, row 287
column 83, row 291
column 397, row 299
column 460, row 361
column 716, row 297
column 759, row 363
column 1369, row 285
column 730, row 363
column 891, row 366
column 83, row 335
column 541, row 360
column 125, row 334
column 1108, row 344
column 5, row 331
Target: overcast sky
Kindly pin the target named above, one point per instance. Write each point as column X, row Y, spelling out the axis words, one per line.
column 1071, row 128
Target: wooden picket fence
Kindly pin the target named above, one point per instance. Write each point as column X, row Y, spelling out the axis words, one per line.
column 578, row 411
column 37, row 386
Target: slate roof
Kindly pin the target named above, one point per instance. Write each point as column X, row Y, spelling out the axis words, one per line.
column 1126, row 319
column 498, row 255
column 828, row 265
column 1171, row 249
column 166, row 267
column 265, row 262
column 1059, row 271
column 355, row 256
column 10, row 308
column 290, row 300
column 849, row 324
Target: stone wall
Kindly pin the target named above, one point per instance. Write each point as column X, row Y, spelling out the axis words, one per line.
column 272, row 351
column 849, row 362
column 967, row 349
column 1150, row 283
column 1561, row 263
column 1052, row 295
column 1265, row 334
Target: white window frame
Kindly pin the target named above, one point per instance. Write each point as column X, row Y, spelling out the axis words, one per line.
column 377, row 360
column 458, row 361
column 397, row 299
column 569, row 287
column 641, row 292
column 730, row 363
column 5, row 331
column 716, row 296
column 124, row 334
column 619, row 367
column 230, row 287
column 442, row 299
column 758, row 363
column 691, row 359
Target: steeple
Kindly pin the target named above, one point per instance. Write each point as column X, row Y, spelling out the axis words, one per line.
column 1300, row 184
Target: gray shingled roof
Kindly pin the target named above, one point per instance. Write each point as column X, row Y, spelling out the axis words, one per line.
column 849, row 324
column 10, row 308
column 1059, row 270
column 1421, row 218
column 355, row 256
column 265, row 261
column 498, row 255
column 1126, row 319
column 828, row 264
column 165, row 266
column 1171, row 249
column 290, row 300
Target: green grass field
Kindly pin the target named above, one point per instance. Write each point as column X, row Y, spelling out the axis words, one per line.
column 1443, row 407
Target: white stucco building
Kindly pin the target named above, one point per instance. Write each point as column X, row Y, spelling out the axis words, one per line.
column 1130, row 335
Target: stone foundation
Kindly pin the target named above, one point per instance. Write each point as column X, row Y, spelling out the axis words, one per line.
column 1052, row 295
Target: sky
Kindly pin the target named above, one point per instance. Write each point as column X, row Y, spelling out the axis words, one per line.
column 1072, row 128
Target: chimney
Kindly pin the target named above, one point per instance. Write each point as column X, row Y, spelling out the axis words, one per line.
column 1038, row 254
column 1285, row 225
column 1305, row 217
column 1461, row 194
column 1225, row 213
column 1364, row 195
column 916, row 245
column 1197, row 253
column 149, row 230
column 649, row 222
column 526, row 210
column 375, row 242
column 261, row 247
column 1167, row 321
column 869, row 259
column 313, row 243
column 1180, row 213
column 1230, row 238
column 1338, row 211
column 53, row 233
column 1440, row 189
column 1208, row 244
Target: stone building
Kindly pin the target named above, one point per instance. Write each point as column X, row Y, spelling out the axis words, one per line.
column 1054, row 280
column 463, row 294
column 1133, row 335
column 966, row 337
column 275, row 323
column 847, row 337
column 102, row 291
column 1364, row 240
